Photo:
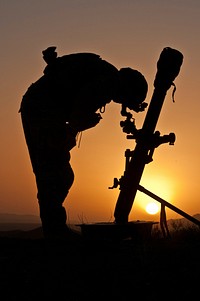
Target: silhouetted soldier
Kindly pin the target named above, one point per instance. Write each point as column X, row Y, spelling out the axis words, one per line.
column 63, row 102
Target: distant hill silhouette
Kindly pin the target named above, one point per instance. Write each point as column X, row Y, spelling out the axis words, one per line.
column 182, row 222
column 18, row 218
column 18, row 222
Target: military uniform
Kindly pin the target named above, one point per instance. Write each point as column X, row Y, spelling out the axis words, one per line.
column 54, row 109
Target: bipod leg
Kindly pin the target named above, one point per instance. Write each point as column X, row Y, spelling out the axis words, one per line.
column 172, row 207
column 163, row 222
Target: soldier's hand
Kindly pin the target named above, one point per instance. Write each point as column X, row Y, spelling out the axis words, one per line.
column 86, row 121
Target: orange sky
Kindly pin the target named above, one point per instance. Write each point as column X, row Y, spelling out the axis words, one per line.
column 126, row 33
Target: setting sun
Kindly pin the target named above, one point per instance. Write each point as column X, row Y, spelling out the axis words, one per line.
column 158, row 184
column 152, row 208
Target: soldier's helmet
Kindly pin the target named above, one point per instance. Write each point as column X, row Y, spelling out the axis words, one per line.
column 134, row 89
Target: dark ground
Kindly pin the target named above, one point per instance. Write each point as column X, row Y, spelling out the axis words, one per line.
column 100, row 270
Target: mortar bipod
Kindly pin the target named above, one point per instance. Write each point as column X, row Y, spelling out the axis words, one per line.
column 170, row 206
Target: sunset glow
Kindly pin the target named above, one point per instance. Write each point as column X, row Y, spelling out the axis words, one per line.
column 125, row 33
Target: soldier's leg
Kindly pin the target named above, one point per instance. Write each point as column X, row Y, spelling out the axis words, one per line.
column 50, row 162
column 53, row 187
column 54, row 177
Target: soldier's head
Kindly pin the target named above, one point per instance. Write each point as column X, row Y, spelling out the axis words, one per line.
column 133, row 89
